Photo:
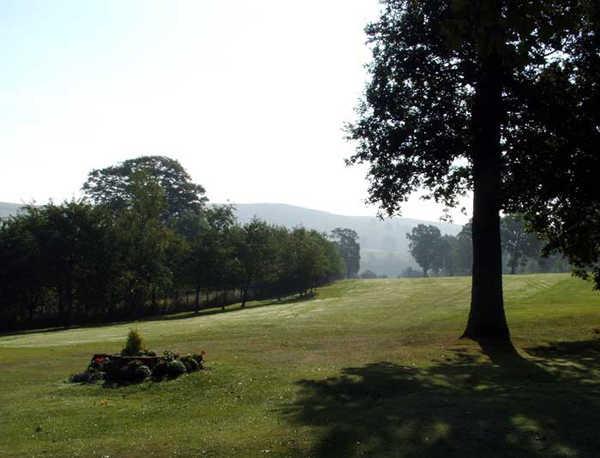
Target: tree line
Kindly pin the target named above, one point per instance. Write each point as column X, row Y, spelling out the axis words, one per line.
column 522, row 250
column 144, row 241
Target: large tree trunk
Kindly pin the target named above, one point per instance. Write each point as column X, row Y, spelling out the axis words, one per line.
column 244, row 296
column 486, row 317
column 68, row 301
column 197, row 300
column 513, row 267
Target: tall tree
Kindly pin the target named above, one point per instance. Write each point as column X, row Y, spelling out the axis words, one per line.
column 255, row 255
column 144, row 243
column 207, row 260
column 424, row 246
column 347, row 242
column 464, row 250
column 453, row 83
column 448, row 254
column 562, row 108
column 67, row 249
column 113, row 186
column 517, row 242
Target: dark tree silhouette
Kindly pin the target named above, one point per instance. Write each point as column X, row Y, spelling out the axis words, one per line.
column 347, row 241
column 424, row 245
column 458, row 90
column 517, row 242
column 112, row 185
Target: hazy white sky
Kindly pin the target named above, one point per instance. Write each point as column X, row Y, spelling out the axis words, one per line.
column 250, row 96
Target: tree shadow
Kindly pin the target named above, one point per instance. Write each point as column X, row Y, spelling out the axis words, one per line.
column 231, row 308
column 506, row 405
column 203, row 312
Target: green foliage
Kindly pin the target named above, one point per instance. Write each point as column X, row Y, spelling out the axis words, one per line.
column 190, row 363
column 134, row 344
column 140, row 245
column 347, row 242
column 517, row 242
column 88, row 376
column 175, row 368
column 128, row 372
column 141, row 373
column 170, row 356
column 207, row 263
column 496, row 97
column 160, row 370
column 199, row 358
column 58, row 257
column 112, row 370
column 115, row 186
column 425, row 241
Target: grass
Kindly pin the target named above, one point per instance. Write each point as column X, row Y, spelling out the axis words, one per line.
column 367, row 368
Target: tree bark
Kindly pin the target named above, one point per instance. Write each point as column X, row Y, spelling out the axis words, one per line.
column 197, row 300
column 487, row 320
column 68, row 300
column 244, row 296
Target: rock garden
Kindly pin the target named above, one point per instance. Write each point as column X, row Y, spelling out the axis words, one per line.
column 135, row 364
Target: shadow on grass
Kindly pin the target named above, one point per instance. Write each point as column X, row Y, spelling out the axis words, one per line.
column 207, row 311
column 464, row 406
column 233, row 308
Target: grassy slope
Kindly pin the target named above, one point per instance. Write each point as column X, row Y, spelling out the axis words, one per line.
column 370, row 367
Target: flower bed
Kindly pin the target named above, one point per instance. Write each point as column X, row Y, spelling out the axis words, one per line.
column 135, row 364
column 125, row 369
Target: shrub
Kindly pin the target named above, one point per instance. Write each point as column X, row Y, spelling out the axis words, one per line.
column 160, row 370
column 112, row 370
column 190, row 363
column 99, row 362
column 133, row 370
column 175, row 368
column 89, row 376
column 141, row 373
column 199, row 358
column 134, row 344
column 170, row 356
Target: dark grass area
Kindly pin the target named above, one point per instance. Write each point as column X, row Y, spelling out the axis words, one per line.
column 546, row 404
column 204, row 311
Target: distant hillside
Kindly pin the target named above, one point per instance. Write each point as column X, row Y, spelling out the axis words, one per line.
column 384, row 247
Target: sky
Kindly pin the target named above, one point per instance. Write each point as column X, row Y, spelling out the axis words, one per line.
column 250, row 96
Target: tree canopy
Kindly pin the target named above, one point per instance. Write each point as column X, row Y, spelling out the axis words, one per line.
column 424, row 244
column 517, row 242
column 113, row 185
column 90, row 260
column 347, row 242
column 494, row 96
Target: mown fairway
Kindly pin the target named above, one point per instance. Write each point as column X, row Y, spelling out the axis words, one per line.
column 369, row 367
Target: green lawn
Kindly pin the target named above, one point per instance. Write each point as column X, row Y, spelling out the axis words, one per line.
column 367, row 368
